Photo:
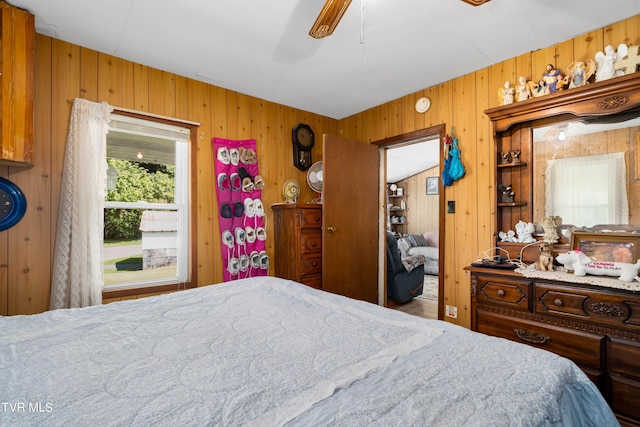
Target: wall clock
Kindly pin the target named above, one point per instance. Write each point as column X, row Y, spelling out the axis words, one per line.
column 13, row 204
column 423, row 104
column 303, row 141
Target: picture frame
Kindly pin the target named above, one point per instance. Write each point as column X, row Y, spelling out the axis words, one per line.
column 607, row 247
column 432, row 185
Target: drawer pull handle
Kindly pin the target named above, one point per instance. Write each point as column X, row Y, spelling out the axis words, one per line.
column 500, row 292
column 558, row 302
column 315, row 264
column 318, row 219
column 531, row 337
column 313, row 244
column 331, row 229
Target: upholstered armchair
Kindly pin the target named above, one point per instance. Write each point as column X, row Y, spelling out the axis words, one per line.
column 402, row 285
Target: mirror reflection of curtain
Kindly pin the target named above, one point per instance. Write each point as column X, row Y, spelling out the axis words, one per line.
column 77, row 265
column 590, row 189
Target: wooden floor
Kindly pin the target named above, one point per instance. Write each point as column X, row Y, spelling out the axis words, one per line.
column 420, row 307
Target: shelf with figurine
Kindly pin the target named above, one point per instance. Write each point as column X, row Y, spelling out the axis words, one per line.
column 591, row 87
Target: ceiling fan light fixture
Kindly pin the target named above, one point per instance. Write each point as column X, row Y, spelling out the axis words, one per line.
column 476, row 2
column 329, row 18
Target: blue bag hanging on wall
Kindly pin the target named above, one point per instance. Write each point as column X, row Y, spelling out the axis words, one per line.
column 456, row 169
column 446, row 177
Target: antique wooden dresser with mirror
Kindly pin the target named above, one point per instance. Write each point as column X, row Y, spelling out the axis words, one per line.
column 594, row 323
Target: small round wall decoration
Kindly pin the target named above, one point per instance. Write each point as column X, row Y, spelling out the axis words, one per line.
column 13, row 204
column 423, row 104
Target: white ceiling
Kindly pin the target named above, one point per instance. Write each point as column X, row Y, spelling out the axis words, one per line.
column 262, row 48
column 409, row 160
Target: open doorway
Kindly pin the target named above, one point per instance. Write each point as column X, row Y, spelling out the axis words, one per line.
column 410, row 171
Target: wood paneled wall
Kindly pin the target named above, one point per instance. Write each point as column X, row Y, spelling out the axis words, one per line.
column 422, row 215
column 64, row 72
column 460, row 103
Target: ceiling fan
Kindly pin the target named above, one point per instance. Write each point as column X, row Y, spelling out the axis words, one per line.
column 332, row 12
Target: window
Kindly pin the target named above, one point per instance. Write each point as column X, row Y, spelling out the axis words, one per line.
column 590, row 190
column 146, row 216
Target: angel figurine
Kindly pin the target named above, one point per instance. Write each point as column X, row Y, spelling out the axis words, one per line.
column 606, row 61
column 523, row 89
column 507, row 94
column 580, row 72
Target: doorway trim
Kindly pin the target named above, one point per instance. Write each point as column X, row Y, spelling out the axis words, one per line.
column 399, row 141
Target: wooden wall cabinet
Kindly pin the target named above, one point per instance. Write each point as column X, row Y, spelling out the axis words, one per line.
column 298, row 242
column 17, row 85
column 596, row 327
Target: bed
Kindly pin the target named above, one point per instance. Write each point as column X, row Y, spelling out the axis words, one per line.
column 267, row 352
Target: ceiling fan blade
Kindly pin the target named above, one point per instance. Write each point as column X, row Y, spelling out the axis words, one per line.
column 476, row 2
column 328, row 18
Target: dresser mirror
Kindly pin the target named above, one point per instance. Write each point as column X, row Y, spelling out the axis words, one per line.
column 587, row 171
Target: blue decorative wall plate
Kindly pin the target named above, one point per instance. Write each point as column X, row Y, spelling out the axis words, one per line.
column 13, row 204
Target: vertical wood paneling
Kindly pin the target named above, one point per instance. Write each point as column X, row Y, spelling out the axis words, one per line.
column 623, row 32
column 128, row 100
column 584, row 47
column 163, row 89
column 485, row 160
column 140, row 87
column 422, row 214
column 199, row 110
column 89, row 74
column 109, row 79
column 444, row 108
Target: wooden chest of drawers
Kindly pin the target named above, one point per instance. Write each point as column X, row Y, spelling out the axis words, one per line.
column 298, row 242
column 596, row 327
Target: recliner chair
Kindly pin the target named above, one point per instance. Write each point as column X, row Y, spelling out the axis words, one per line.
column 402, row 285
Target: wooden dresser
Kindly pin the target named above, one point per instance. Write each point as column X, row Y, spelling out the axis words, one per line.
column 298, row 242
column 596, row 327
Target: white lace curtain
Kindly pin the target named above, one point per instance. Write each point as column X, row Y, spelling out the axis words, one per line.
column 77, row 266
column 588, row 190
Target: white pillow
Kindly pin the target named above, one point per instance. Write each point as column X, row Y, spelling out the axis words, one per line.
column 426, row 251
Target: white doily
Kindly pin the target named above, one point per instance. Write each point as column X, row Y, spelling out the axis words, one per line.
column 562, row 276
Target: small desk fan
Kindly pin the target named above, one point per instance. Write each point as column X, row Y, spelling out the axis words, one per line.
column 315, row 178
column 291, row 190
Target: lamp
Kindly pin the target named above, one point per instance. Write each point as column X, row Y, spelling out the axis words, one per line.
column 328, row 18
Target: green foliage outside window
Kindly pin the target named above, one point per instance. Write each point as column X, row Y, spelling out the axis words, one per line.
column 147, row 182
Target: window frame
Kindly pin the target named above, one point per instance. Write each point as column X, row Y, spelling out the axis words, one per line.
column 192, row 273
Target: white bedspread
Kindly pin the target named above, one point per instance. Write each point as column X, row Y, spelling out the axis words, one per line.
column 265, row 352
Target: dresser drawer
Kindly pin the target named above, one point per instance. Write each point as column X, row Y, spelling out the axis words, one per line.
column 311, row 242
column 624, row 358
column 625, row 398
column 551, row 300
column 585, row 349
column 310, row 218
column 311, row 263
column 592, row 305
column 504, row 291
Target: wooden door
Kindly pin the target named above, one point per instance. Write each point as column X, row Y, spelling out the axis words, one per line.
column 350, row 218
